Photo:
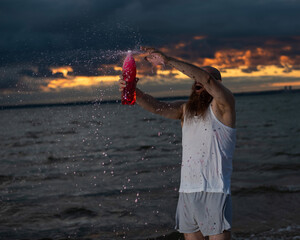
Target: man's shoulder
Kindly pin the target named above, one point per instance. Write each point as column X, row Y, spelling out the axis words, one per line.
column 226, row 114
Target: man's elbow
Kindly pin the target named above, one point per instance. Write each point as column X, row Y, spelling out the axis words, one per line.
column 230, row 101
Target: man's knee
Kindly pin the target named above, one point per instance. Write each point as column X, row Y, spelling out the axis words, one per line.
column 226, row 235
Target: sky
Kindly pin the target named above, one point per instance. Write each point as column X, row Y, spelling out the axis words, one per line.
column 54, row 51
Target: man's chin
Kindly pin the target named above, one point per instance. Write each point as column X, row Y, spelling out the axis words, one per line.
column 198, row 92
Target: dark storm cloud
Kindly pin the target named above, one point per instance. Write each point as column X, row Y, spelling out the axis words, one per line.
column 56, row 25
column 113, row 24
column 83, row 70
column 8, row 78
column 78, row 33
column 40, row 73
column 23, row 78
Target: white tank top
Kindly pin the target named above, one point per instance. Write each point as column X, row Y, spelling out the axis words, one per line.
column 207, row 151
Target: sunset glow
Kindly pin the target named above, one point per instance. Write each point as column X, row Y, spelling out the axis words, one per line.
column 64, row 70
column 79, row 81
column 284, row 84
column 233, row 63
column 262, row 71
column 96, row 81
column 251, row 58
column 199, row 37
column 117, row 68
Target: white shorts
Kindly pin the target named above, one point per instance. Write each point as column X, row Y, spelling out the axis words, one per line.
column 210, row 213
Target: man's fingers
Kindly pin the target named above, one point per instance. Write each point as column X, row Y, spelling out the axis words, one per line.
column 122, row 83
column 150, row 58
column 147, row 59
column 148, row 49
column 143, row 48
column 121, row 80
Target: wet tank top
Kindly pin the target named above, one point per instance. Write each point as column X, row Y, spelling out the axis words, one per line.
column 207, row 151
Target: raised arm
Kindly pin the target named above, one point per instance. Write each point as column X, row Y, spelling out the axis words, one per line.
column 173, row 110
column 224, row 106
column 214, row 87
column 223, row 97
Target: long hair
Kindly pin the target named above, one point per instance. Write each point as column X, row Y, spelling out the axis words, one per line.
column 198, row 104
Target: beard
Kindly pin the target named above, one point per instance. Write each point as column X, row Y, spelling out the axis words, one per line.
column 198, row 104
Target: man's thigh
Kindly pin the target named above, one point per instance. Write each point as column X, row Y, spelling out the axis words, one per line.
column 226, row 235
column 194, row 236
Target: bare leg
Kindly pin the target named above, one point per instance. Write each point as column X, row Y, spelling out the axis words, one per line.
column 194, row 236
column 226, row 235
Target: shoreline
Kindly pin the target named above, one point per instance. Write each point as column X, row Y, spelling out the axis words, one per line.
column 283, row 232
column 117, row 101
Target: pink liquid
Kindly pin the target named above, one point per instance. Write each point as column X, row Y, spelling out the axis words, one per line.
column 129, row 74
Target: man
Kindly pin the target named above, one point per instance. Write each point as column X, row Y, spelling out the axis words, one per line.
column 208, row 142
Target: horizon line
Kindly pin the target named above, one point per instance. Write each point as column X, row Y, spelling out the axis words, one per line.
column 95, row 102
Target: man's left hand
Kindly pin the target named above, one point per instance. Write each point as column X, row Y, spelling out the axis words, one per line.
column 155, row 56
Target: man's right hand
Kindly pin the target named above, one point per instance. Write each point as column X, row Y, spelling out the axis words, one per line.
column 122, row 83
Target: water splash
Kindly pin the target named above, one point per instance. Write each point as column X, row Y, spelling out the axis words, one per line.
column 115, row 54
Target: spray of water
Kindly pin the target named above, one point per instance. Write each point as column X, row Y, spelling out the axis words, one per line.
column 115, row 54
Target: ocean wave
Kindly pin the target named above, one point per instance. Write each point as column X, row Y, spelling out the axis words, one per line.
column 169, row 236
column 6, row 179
column 76, row 212
column 24, row 143
column 145, row 147
column 280, row 167
column 266, row 189
column 120, row 213
column 51, row 159
column 67, row 131
column 34, row 135
column 9, row 179
column 284, row 233
column 148, row 119
column 287, row 154
column 153, row 191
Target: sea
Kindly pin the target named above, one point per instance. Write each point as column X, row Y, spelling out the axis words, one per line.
column 111, row 171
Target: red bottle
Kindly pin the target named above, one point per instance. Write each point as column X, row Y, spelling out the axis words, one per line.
column 129, row 74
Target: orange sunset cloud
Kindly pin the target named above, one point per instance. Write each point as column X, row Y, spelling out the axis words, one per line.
column 75, row 81
column 64, row 70
column 252, row 62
